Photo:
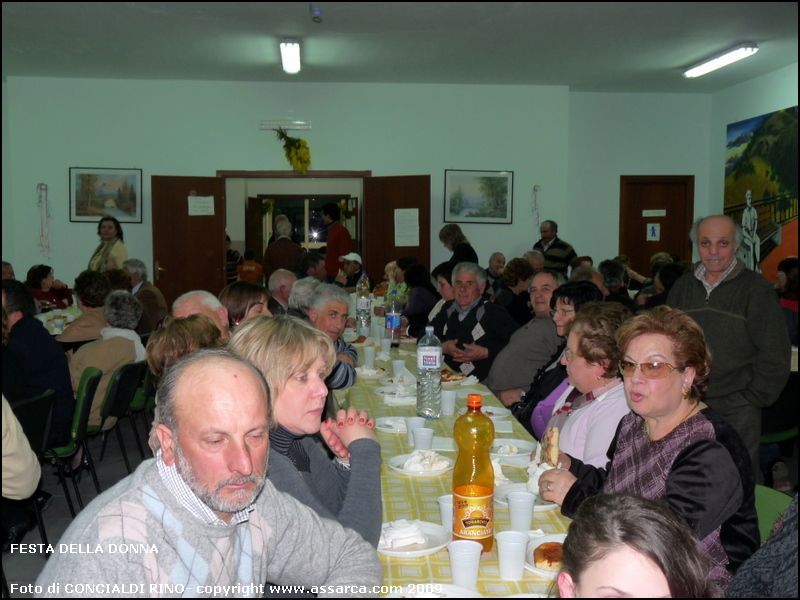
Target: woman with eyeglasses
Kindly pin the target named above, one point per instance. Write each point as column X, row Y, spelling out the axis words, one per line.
column 588, row 411
column 671, row 446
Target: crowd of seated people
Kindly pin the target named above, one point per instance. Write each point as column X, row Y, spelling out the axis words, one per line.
column 563, row 355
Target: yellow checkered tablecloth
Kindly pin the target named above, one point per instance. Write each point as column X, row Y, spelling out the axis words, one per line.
column 407, row 497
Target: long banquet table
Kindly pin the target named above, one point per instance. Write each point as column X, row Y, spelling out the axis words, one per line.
column 406, row 497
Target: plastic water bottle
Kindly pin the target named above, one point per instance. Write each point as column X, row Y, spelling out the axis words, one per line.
column 394, row 305
column 429, row 376
column 363, row 306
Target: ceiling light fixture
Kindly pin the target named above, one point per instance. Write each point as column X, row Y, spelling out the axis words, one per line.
column 290, row 56
column 315, row 12
column 729, row 56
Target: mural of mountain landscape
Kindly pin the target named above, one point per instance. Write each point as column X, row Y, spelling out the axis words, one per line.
column 761, row 186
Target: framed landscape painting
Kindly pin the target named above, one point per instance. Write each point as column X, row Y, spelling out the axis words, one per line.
column 478, row 196
column 96, row 192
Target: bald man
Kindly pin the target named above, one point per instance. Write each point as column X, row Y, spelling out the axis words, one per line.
column 200, row 302
column 744, row 328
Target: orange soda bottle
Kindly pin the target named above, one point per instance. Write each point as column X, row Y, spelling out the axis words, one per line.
column 473, row 476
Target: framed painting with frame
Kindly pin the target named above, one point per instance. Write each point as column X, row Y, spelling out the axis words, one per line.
column 96, row 192
column 478, row 196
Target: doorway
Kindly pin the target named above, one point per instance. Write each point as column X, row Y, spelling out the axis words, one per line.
column 655, row 215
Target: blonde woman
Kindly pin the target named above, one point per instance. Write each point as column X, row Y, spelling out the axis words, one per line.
column 295, row 359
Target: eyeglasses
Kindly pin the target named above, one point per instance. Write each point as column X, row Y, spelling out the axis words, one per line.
column 569, row 355
column 650, row 370
column 562, row 312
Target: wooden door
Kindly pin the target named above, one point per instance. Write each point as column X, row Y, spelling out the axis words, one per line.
column 382, row 196
column 655, row 215
column 254, row 228
column 188, row 248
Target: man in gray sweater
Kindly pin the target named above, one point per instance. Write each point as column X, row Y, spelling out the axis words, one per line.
column 744, row 328
column 201, row 519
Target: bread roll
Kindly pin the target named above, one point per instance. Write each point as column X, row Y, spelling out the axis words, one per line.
column 547, row 556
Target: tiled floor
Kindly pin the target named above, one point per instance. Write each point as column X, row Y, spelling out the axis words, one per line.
column 22, row 569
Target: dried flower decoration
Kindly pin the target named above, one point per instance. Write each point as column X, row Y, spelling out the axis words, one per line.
column 297, row 151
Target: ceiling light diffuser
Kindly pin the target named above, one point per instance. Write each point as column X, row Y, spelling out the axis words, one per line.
column 290, row 56
column 730, row 56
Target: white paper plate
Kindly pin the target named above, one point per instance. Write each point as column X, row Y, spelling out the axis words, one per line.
column 373, row 374
column 391, row 424
column 434, row 590
column 493, row 412
column 396, row 464
column 533, row 544
column 501, row 493
column 524, row 448
column 394, row 391
column 436, row 538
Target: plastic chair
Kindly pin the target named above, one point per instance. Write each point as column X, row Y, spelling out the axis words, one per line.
column 142, row 401
column 62, row 455
column 34, row 415
column 770, row 504
column 119, row 395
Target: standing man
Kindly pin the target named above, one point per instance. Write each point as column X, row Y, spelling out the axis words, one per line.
column 338, row 242
column 472, row 329
column 154, row 305
column 530, row 347
column 558, row 254
column 284, row 252
column 280, row 288
column 202, row 514
column 743, row 325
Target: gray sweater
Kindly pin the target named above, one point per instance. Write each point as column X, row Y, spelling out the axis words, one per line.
column 171, row 553
column 352, row 497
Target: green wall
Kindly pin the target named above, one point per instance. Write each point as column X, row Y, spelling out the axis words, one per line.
column 573, row 145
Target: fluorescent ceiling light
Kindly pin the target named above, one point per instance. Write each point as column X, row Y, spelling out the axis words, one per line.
column 730, row 56
column 290, row 56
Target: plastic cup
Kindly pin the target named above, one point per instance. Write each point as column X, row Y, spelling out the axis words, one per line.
column 520, row 510
column 398, row 368
column 386, row 345
column 511, row 548
column 465, row 560
column 369, row 356
column 448, row 402
column 423, row 438
column 446, row 511
column 413, row 423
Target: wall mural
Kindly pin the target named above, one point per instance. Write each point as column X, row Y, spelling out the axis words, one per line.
column 761, row 187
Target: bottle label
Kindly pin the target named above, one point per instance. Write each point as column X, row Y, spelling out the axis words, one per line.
column 429, row 357
column 392, row 320
column 473, row 516
column 363, row 303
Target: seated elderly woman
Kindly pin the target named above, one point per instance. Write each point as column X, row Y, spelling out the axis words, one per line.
column 244, row 301
column 295, row 358
column 636, row 547
column 514, row 295
column 118, row 345
column 48, row 291
column 671, row 447
column 588, row 411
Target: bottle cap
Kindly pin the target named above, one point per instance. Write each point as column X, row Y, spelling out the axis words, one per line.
column 474, row 400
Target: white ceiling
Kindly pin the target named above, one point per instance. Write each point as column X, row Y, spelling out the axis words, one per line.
column 616, row 46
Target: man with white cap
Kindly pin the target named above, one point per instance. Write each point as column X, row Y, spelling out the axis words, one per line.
column 350, row 271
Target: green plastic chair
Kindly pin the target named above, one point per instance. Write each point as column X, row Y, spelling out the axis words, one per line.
column 62, row 455
column 770, row 504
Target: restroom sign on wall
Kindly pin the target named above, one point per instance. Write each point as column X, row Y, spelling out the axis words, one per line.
column 653, row 232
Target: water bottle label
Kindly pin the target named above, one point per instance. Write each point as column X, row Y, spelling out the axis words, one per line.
column 429, row 357
column 363, row 303
column 393, row 321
